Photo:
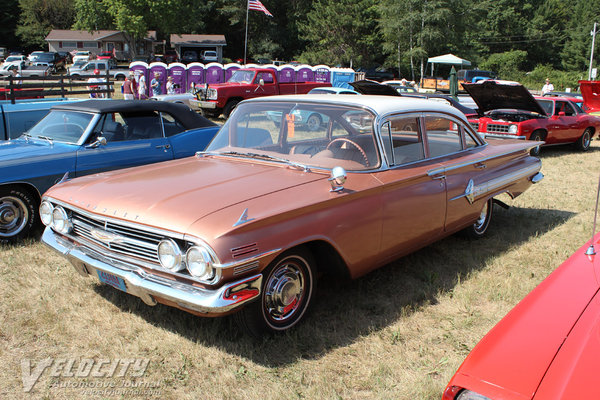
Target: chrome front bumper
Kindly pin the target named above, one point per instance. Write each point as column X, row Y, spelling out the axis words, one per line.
column 502, row 136
column 204, row 104
column 147, row 286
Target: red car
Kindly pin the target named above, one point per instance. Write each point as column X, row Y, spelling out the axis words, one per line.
column 547, row 347
column 106, row 55
column 508, row 110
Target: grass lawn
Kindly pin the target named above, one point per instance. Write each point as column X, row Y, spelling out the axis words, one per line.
column 398, row 333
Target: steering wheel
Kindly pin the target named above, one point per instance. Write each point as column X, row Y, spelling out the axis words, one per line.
column 353, row 143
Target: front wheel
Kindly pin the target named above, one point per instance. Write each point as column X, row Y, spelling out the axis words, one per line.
column 287, row 290
column 585, row 140
column 536, row 137
column 229, row 107
column 480, row 227
column 18, row 214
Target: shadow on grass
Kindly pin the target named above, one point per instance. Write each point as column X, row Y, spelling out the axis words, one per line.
column 345, row 310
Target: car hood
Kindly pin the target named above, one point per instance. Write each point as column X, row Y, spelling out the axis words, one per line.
column 370, row 87
column 21, row 152
column 548, row 332
column 493, row 95
column 195, row 186
column 590, row 90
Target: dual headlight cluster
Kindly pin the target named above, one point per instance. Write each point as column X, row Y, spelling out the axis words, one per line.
column 198, row 259
column 55, row 217
column 212, row 94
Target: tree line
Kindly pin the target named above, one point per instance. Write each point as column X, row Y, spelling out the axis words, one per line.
column 520, row 40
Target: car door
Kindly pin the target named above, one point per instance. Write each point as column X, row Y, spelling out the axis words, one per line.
column 414, row 201
column 576, row 125
column 269, row 87
column 560, row 124
column 449, row 142
column 132, row 139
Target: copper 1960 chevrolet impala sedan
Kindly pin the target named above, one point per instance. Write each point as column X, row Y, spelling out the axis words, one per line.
column 248, row 224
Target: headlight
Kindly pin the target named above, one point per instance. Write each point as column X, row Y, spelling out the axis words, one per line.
column 46, row 209
column 468, row 395
column 169, row 255
column 60, row 220
column 212, row 94
column 199, row 262
column 513, row 129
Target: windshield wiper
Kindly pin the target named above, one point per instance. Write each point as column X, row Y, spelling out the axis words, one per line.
column 303, row 167
column 49, row 139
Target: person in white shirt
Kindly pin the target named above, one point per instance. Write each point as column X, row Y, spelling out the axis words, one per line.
column 548, row 87
column 141, row 85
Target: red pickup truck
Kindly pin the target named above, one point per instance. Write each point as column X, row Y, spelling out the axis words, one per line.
column 244, row 84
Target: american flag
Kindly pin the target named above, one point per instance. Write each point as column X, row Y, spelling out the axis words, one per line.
column 258, row 6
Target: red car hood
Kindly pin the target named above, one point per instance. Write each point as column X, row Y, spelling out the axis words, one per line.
column 590, row 90
column 195, row 187
column 545, row 340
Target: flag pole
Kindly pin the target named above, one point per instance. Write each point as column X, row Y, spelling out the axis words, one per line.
column 246, row 40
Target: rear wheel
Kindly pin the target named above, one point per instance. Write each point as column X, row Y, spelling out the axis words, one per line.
column 288, row 288
column 480, row 227
column 313, row 122
column 584, row 142
column 536, row 137
column 18, row 214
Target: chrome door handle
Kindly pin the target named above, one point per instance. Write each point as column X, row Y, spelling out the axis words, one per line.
column 480, row 166
column 164, row 146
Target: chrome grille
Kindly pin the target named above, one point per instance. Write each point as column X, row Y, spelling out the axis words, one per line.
column 497, row 128
column 475, row 125
column 130, row 242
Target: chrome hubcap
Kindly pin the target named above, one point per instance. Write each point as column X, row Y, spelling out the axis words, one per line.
column 13, row 216
column 284, row 292
column 480, row 223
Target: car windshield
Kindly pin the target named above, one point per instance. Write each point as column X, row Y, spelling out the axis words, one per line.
column 61, row 126
column 46, row 57
column 14, row 58
column 242, row 76
column 309, row 135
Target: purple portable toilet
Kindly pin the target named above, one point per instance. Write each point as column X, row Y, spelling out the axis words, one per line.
column 230, row 69
column 195, row 74
column 287, row 74
column 140, row 68
column 304, row 73
column 177, row 71
column 214, row 73
column 322, row 73
column 161, row 69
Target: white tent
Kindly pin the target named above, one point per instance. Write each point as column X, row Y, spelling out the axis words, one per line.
column 448, row 59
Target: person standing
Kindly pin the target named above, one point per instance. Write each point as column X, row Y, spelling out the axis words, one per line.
column 155, row 84
column 141, row 86
column 170, row 85
column 92, row 85
column 129, row 87
column 548, row 87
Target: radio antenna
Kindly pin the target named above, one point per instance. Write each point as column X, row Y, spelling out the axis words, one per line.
column 591, row 251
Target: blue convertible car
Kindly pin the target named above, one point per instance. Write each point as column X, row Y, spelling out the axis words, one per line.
column 88, row 137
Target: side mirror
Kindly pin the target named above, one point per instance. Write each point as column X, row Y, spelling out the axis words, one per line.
column 337, row 179
column 100, row 141
column 261, row 82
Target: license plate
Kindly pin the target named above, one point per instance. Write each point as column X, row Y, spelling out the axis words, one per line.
column 112, row 280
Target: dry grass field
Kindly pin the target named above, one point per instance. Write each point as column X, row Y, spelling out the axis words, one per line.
column 398, row 333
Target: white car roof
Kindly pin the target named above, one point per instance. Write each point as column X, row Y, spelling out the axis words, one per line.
column 379, row 104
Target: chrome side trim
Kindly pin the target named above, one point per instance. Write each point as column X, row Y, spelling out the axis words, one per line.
column 148, row 286
column 472, row 192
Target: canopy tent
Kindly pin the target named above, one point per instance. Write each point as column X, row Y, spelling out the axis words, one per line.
column 448, row 59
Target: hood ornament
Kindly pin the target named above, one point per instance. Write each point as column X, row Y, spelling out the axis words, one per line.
column 243, row 218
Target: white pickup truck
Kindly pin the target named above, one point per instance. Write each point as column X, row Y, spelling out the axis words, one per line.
column 87, row 69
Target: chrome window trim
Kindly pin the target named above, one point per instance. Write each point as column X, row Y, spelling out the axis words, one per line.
column 440, row 170
column 86, row 134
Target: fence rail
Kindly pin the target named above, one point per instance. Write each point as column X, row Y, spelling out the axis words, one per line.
column 13, row 88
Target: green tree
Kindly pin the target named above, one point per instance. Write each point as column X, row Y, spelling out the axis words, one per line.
column 575, row 55
column 342, row 32
column 507, row 65
column 9, row 16
column 39, row 17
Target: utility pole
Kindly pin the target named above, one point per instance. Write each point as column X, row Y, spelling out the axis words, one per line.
column 593, row 33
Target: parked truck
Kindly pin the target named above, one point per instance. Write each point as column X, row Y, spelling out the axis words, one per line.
column 25, row 70
column 88, row 69
column 19, row 117
column 244, row 84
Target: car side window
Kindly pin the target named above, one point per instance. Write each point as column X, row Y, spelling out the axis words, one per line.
column 403, row 142
column 265, row 76
column 443, row 136
column 171, row 125
column 569, row 110
column 142, row 125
